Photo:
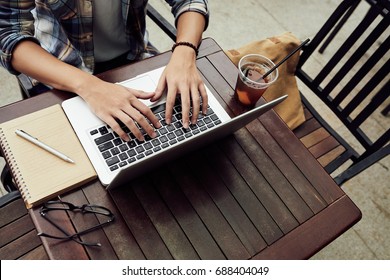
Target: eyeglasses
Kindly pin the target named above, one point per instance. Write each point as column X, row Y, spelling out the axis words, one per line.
column 84, row 209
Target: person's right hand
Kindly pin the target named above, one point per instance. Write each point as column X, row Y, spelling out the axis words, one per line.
column 113, row 102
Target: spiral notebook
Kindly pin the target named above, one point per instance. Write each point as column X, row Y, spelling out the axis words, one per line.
column 38, row 174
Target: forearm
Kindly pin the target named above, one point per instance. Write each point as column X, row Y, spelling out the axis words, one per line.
column 190, row 27
column 32, row 60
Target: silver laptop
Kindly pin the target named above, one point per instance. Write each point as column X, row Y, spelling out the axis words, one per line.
column 116, row 162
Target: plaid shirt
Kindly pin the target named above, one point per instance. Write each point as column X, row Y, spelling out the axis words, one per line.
column 64, row 28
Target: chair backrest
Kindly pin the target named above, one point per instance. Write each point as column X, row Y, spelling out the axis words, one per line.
column 355, row 81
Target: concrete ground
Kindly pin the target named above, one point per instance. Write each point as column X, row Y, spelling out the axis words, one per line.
column 235, row 23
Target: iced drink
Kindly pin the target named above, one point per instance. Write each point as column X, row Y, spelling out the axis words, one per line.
column 250, row 82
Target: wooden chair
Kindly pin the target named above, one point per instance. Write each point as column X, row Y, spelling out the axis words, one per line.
column 354, row 94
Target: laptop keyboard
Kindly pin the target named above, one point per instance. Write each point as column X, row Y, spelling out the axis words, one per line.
column 118, row 153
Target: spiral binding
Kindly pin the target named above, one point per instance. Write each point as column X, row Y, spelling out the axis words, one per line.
column 17, row 175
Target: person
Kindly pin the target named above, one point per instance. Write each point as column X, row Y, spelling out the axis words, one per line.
column 62, row 43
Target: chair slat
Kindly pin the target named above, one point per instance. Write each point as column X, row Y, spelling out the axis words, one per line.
column 378, row 99
column 363, row 71
column 327, row 158
column 326, row 28
column 346, row 46
column 353, row 60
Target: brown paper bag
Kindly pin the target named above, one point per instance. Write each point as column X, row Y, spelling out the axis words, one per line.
column 276, row 48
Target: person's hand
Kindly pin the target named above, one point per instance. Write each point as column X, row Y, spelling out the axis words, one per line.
column 113, row 103
column 182, row 77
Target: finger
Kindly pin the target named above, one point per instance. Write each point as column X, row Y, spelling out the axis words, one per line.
column 111, row 122
column 161, row 86
column 170, row 103
column 142, row 122
column 195, row 104
column 127, row 120
column 142, row 94
column 185, row 104
column 147, row 112
column 205, row 99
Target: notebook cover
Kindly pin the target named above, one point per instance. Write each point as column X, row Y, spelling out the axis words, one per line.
column 38, row 174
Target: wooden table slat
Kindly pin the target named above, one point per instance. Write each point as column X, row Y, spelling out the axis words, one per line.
column 226, row 203
column 12, row 211
column 164, row 222
column 275, row 206
column 320, row 179
column 248, row 200
column 16, row 229
column 120, row 236
column 20, row 246
column 39, row 253
column 208, row 211
column 139, row 223
column 186, row 216
column 290, row 246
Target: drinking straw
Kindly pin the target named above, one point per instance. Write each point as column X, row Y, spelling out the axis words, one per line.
column 284, row 59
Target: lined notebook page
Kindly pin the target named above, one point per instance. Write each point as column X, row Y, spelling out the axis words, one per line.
column 39, row 174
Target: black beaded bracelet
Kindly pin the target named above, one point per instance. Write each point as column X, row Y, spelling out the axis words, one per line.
column 188, row 44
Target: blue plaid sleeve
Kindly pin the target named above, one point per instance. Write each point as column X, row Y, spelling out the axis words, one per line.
column 16, row 24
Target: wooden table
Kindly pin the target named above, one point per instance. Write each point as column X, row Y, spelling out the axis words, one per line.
column 257, row 194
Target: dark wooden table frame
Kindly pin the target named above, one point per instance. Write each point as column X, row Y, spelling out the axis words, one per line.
column 257, row 194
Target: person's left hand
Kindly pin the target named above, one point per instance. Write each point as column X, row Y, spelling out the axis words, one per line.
column 182, row 77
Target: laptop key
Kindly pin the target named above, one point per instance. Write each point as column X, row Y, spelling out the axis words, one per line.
column 103, row 130
column 163, row 130
column 131, row 153
column 93, row 132
column 123, row 156
column 156, row 149
column 123, row 147
column 156, row 142
column 148, row 146
column 131, row 144
column 106, row 154
column 115, row 151
column 140, row 156
column 114, row 167
column 171, row 135
column 105, row 146
column 112, row 161
column 117, row 141
column 214, row 117
column 104, row 138
column 165, row 145
column 163, row 139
